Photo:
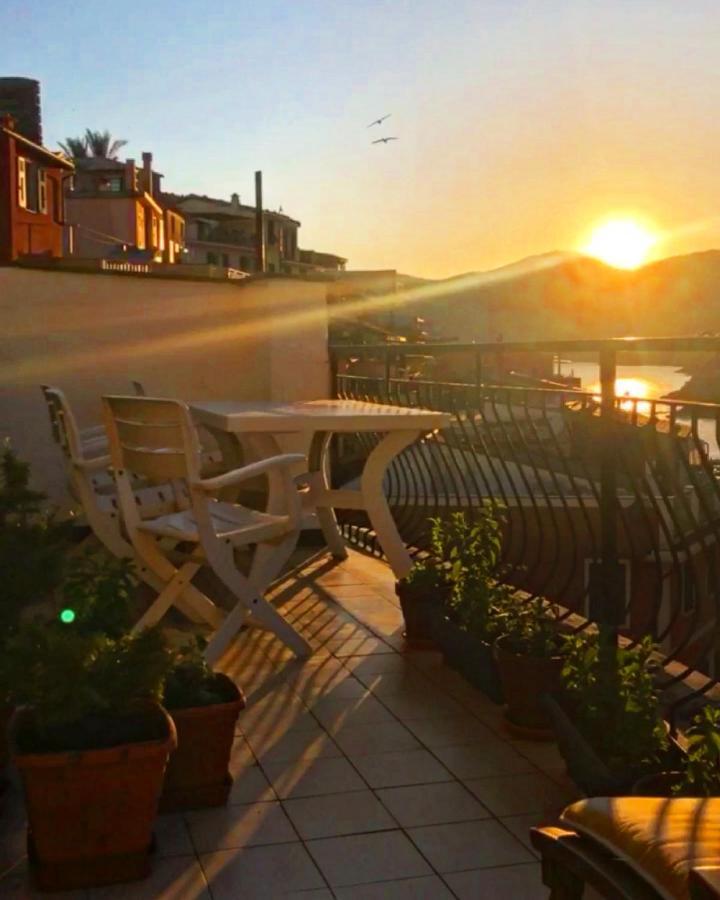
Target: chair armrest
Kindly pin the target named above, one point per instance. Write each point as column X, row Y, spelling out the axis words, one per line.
column 93, row 431
column 227, row 479
column 91, row 465
column 705, row 882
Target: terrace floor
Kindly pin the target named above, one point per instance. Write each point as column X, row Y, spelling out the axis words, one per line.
column 368, row 771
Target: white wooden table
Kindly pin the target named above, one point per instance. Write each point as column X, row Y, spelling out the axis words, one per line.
column 257, row 425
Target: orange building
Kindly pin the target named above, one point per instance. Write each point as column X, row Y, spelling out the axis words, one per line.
column 32, row 219
column 115, row 210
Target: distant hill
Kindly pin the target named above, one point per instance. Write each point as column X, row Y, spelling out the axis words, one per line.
column 563, row 295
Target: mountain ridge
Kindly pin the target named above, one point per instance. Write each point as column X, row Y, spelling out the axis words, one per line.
column 572, row 296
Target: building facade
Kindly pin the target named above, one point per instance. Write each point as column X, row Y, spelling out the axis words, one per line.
column 115, row 211
column 32, row 215
column 222, row 233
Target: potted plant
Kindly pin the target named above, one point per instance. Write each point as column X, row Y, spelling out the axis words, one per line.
column 33, row 546
column 426, row 589
column 472, row 613
column 610, row 730
column 528, row 657
column 91, row 743
column 204, row 706
column 699, row 773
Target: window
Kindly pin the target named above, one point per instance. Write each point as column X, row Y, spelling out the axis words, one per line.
column 42, row 191
column 226, row 260
column 114, row 184
column 22, row 182
column 211, row 258
column 270, row 232
column 271, row 267
column 32, row 183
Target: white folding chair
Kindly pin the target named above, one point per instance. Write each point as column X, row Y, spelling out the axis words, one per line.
column 156, row 440
column 93, row 487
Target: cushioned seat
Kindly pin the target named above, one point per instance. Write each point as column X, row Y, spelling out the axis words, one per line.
column 660, row 838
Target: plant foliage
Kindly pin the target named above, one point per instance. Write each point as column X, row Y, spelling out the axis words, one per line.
column 530, row 626
column 71, row 679
column 99, row 590
column 191, row 682
column 33, row 545
column 701, row 775
column 473, row 548
column 621, row 717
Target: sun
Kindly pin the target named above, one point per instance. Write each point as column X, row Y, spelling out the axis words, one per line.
column 623, row 243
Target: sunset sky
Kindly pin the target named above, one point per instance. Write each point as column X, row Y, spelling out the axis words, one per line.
column 521, row 124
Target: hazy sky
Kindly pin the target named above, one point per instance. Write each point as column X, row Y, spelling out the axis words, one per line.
column 520, row 123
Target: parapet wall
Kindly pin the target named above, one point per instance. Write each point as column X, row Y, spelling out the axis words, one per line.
column 92, row 334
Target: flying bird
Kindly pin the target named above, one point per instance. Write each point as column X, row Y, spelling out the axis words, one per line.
column 380, row 120
column 384, row 140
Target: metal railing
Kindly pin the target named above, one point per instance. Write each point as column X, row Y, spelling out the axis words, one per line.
column 611, row 505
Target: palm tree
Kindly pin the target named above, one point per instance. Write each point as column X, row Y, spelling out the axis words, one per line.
column 100, row 143
column 76, row 148
column 94, row 143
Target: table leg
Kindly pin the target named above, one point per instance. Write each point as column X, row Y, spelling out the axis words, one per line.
column 318, row 459
column 283, row 499
column 376, row 506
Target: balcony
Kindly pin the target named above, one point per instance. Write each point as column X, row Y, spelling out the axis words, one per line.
column 587, row 483
column 366, row 765
column 374, row 770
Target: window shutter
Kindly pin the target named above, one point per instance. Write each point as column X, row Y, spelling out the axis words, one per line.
column 22, row 182
column 42, row 191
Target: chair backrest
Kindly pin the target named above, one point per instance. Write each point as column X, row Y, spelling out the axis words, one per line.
column 152, row 438
column 64, row 428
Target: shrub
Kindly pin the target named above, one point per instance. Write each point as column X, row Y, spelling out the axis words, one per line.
column 33, row 545
column 620, row 717
column 701, row 770
column 78, row 684
column 530, row 626
column 191, row 682
column 98, row 592
column 473, row 547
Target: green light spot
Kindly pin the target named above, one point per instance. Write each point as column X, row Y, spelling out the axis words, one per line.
column 67, row 616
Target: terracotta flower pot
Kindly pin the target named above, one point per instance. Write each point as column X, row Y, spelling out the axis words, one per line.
column 421, row 609
column 661, row 784
column 91, row 812
column 525, row 680
column 197, row 774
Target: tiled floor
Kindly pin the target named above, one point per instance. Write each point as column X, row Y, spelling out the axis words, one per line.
column 368, row 771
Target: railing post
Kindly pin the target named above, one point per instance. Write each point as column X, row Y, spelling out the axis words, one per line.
column 387, row 371
column 478, row 368
column 333, row 361
column 607, row 597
